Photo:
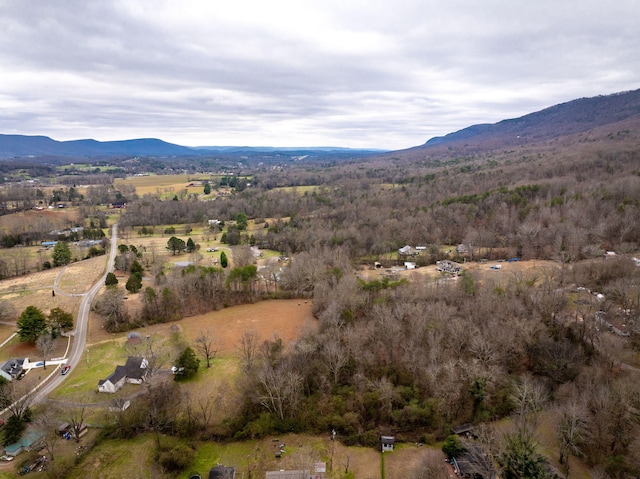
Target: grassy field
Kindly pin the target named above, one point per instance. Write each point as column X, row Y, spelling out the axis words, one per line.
column 164, row 185
column 116, row 459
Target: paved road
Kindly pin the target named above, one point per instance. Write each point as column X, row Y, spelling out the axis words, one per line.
column 80, row 333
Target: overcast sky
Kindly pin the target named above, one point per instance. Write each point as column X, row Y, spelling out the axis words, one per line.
column 375, row 73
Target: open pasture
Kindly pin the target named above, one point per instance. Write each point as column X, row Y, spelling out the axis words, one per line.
column 46, row 220
column 156, row 184
column 286, row 319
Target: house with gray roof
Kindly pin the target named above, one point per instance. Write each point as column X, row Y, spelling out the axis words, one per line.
column 12, row 368
column 134, row 371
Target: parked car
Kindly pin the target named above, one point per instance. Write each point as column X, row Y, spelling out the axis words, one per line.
column 66, row 368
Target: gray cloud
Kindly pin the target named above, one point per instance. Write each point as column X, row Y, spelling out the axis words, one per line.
column 365, row 74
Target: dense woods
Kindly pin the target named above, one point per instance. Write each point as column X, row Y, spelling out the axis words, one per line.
column 411, row 357
column 416, row 358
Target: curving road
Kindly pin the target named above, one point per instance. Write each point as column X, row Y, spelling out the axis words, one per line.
column 80, row 333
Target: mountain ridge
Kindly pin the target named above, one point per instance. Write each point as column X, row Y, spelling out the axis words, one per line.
column 15, row 146
column 564, row 119
column 572, row 117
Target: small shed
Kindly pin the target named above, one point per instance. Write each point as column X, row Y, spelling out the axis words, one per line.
column 462, row 429
column 387, row 443
column 222, row 472
column 63, row 428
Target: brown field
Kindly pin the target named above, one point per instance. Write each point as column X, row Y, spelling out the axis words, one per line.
column 18, row 222
column 159, row 184
column 287, row 318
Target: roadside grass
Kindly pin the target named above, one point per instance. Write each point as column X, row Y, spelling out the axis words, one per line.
column 5, row 332
column 98, row 363
column 79, row 277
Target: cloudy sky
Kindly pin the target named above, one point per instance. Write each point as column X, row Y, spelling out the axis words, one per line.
column 375, row 73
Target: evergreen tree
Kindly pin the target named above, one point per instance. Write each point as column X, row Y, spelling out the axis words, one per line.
column 452, row 447
column 13, row 430
column 207, row 188
column 134, row 283
column 186, row 365
column 241, row 221
column 111, row 280
column 191, row 246
column 31, row 324
column 136, row 268
column 176, row 245
column 61, row 254
column 223, row 260
column 521, row 459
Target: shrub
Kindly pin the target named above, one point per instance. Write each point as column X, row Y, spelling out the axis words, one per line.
column 176, row 459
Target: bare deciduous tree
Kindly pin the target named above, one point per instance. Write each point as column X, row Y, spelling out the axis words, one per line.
column 278, row 389
column 206, row 345
column 249, row 348
column 76, row 418
column 45, row 344
column 47, row 421
column 572, row 431
column 528, row 396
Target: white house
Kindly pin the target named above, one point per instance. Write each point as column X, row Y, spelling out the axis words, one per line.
column 134, row 371
column 12, row 368
column 407, row 250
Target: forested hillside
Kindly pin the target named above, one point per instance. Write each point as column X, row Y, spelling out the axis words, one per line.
column 542, row 359
column 416, row 357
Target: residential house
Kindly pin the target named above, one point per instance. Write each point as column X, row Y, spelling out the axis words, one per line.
column 134, row 371
column 474, row 463
column 407, row 251
column 119, row 204
column 12, row 368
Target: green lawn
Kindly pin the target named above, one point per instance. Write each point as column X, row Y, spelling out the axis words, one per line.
column 98, row 363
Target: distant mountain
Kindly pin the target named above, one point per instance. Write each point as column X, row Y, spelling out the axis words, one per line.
column 577, row 116
column 12, row 146
column 39, row 146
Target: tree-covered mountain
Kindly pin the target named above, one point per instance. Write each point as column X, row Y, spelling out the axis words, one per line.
column 573, row 117
column 21, row 146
